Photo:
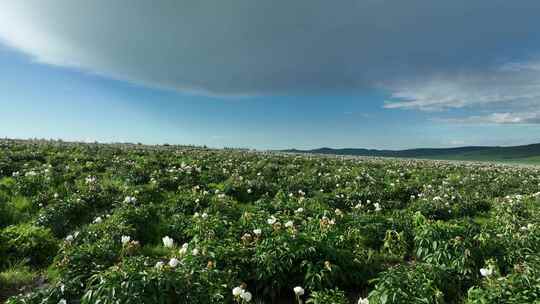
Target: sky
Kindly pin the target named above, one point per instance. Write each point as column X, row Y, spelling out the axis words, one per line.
column 277, row 74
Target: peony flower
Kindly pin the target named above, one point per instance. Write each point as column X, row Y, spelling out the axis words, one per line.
column 184, row 249
column 159, row 265
column 130, row 199
column 272, row 220
column 173, row 262
column 168, row 242
column 246, row 296
column 363, row 301
column 298, row 291
column 237, row 291
column 486, row 272
column 125, row 239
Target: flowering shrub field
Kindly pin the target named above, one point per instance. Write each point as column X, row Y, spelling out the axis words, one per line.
column 165, row 224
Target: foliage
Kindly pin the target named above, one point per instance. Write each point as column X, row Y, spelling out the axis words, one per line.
column 125, row 223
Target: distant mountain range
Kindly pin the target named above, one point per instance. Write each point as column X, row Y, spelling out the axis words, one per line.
column 518, row 154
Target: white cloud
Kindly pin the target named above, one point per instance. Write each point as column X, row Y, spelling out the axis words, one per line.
column 511, row 93
column 497, row 118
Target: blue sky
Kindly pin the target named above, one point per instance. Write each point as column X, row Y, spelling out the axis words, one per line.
column 230, row 76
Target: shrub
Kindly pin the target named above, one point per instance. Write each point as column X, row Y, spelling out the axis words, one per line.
column 334, row 296
column 34, row 244
column 417, row 283
column 521, row 286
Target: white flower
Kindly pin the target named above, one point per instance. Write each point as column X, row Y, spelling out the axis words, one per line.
column 299, row 210
column 130, row 199
column 173, row 262
column 204, row 215
column 98, row 220
column 159, row 265
column 246, row 296
column 257, row 232
column 69, row 238
column 363, row 301
column 272, row 220
column 486, row 272
column 377, row 207
column 168, row 242
column 195, row 251
column 237, row 291
column 289, row 224
column 184, row 249
column 298, row 291
column 62, row 301
column 249, row 190
column 125, row 239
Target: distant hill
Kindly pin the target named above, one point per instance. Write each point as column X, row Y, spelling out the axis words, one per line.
column 518, row 154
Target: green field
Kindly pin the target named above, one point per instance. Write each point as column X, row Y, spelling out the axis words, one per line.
column 96, row 223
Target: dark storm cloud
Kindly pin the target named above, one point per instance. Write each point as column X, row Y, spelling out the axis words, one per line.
column 243, row 47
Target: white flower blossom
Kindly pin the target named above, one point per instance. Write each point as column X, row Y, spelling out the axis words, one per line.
column 363, row 301
column 168, row 242
column 272, row 220
column 246, row 296
column 130, row 199
column 184, row 249
column 486, row 272
column 125, row 239
column 237, row 291
column 298, row 291
column 173, row 262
